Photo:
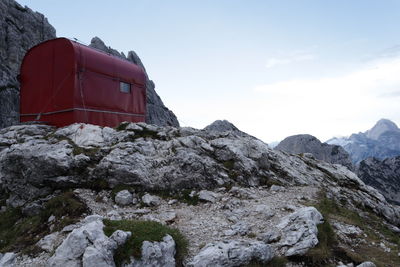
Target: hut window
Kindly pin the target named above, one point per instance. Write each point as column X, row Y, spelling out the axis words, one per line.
column 124, row 87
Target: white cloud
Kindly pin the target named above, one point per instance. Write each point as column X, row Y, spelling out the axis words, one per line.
column 327, row 106
column 297, row 56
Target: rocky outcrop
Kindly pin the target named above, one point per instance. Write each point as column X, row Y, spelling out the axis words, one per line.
column 383, row 175
column 221, row 126
column 382, row 141
column 299, row 231
column 20, row 29
column 88, row 246
column 305, row 143
column 233, row 253
column 157, row 112
column 36, row 160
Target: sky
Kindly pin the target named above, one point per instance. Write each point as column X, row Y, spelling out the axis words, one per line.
column 272, row 68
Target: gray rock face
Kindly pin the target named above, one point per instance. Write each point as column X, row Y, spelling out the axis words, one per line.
column 20, row 29
column 8, row 259
column 299, row 231
column 157, row 112
column 383, row 175
column 232, row 253
column 36, row 160
column 305, row 143
column 382, row 141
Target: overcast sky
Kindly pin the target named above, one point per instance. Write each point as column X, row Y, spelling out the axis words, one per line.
column 273, row 68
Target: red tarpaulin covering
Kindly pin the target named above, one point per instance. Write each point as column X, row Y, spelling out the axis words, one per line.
column 63, row 82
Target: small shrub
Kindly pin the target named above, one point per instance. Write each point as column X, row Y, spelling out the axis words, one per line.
column 184, row 196
column 252, row 235
column 122, row 126
column 320, row 255
column 229, row 164
column 143, row 231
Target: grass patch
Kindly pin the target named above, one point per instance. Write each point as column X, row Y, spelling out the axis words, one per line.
column 184, row 196
column 368, row 222
column 90, row 152
column 67, row 209
column 323, row 252
column 144, row 231
column 229, row 164
column 20, row 233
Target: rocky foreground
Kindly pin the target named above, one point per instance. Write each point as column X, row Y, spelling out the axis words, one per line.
column 81, row 195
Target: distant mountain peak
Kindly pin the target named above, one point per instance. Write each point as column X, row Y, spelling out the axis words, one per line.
column 382, row 126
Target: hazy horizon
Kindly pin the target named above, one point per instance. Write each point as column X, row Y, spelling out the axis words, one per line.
column 272, row 68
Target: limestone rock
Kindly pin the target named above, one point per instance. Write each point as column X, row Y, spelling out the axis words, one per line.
column 88, row 245
column 157, row 112
column 123, row 198
column 49, row 242
column 299, row 231
column 34, row 161
column 232, row 253
column 305, row 143
column 151, row 200
column 8, row 259
column 223, row 126
column 20, row 29
column 383, row 175
column 366, row 264
column 208, row 196
column 156, row 254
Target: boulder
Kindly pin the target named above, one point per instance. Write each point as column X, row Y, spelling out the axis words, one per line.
column 150, row 200
column 88, row 245
column 232, row 253
column 299, row 231
column 208, row 196
column 156, row 254
column 123, row 198
column 49, row 242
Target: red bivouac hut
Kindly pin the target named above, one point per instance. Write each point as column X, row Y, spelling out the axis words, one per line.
column 63, row 82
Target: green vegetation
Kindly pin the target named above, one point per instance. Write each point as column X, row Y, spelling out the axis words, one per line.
column 368, row 222
column 229, row 164
column 90, row 152
column 122, row 126
column 144, row 133
column 184, row 196
column 20, row 233
column 142, row 231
